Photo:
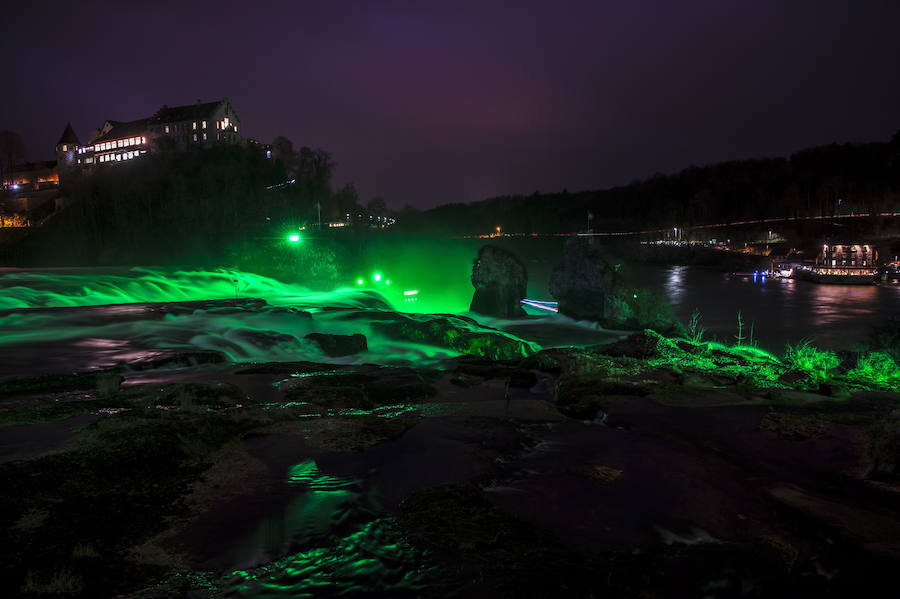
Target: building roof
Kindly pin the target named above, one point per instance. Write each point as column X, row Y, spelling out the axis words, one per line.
column 190, row 112
column 123, row 130
column 68, row 136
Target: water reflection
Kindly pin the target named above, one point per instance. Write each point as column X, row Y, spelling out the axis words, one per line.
column 334, row 546
column 323, row 504
column 842, row 304
column 781, row 311
column 675, row 285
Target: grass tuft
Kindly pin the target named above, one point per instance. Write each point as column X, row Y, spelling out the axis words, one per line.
column 817, row 364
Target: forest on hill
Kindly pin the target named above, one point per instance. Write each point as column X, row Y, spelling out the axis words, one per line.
column 819, row 181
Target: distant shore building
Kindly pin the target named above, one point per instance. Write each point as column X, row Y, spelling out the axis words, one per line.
column 32, row 176
column 843, row 263
column 29, row 191
column 174, row 128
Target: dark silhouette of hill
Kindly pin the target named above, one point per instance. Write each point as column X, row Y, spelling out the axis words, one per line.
column 820, row 181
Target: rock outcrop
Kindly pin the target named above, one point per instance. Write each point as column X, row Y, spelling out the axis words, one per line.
column 336, row 346
column 458, row 333
column 587, row 287
column 500, row 281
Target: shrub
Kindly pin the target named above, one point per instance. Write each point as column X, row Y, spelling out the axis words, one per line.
column 653, row 311
column 876, row 368
column 815, row 363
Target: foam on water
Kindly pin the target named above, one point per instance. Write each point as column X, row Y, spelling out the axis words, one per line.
column 92, row 318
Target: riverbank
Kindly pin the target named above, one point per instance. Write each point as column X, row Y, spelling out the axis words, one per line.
column 660, row 467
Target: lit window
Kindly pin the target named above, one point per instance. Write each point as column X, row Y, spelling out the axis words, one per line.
column 167, row 129
column 195, row 137
column 204, row 124
column 88, row 160
column 204, row 137
column 235, row 128
column 64, row 147
column 143, row 140
column 195, row 124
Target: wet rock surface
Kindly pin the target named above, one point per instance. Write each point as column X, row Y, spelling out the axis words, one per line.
column 339, row 345
column 647, row 468
column 454, row 332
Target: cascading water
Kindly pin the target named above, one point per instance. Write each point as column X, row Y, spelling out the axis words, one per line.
column 76, row 319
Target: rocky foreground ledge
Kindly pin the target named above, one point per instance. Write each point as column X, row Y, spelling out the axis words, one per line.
column 649, row 467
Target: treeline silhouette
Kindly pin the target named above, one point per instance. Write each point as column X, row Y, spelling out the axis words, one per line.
column 820, row 181
column 179, row 208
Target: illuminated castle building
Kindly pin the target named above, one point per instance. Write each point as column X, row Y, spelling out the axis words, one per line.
column 31, row 190
column 175, row 128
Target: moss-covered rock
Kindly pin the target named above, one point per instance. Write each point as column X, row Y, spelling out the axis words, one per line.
column 453, row 332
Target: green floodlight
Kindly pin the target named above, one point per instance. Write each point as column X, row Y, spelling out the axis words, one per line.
column 294, row 238
column 387, row 282
column 359, row 281
column 377, row 276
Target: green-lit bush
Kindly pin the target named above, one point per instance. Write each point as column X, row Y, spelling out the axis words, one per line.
column 815, row 363
column 652, row 311
column 876, row 368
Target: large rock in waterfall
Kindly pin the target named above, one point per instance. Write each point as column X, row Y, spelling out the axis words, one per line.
column 336, row 346
column 500, row 279
column 588, row 287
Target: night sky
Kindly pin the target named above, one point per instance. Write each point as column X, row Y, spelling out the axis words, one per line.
column 433, row 102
